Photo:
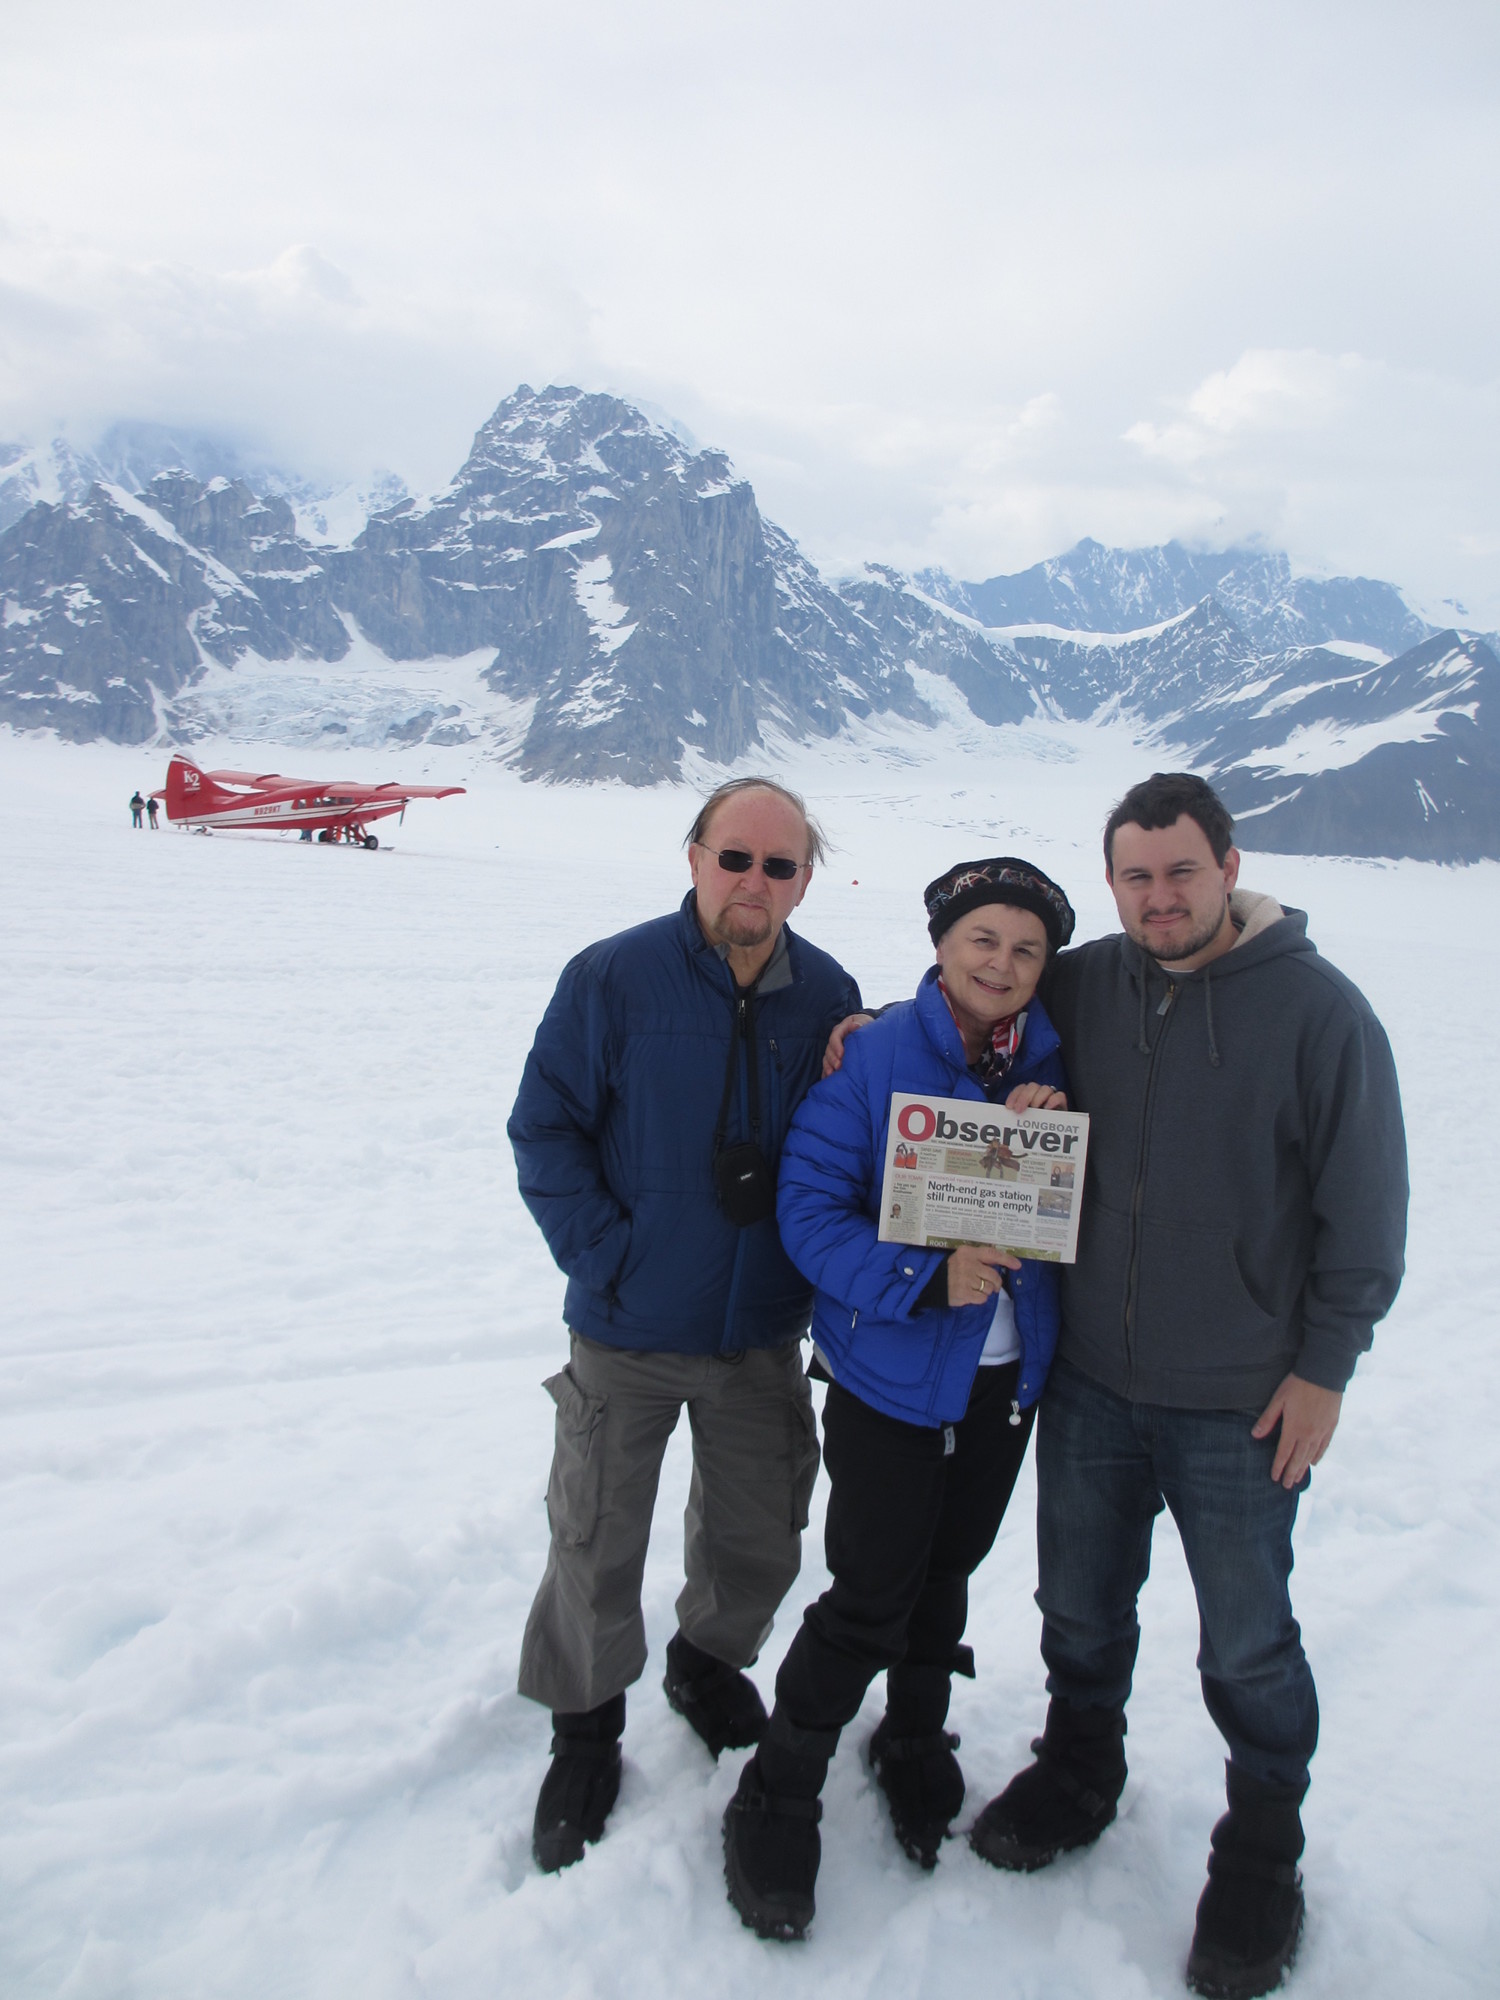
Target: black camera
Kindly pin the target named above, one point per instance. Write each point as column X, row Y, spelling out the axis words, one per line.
column 745, row 1184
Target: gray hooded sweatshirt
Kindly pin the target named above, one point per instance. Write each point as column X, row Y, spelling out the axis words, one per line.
column 1245, row 1199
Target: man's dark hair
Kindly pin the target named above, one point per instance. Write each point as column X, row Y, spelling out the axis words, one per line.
column 1162, row 800
column 817, row 842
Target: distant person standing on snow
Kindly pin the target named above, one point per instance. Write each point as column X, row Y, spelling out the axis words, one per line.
column 1241, row 1233
column 647, row 1132
column 137, row 807
column 152, row 808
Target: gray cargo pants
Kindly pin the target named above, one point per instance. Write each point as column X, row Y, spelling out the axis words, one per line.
column 755, row 1457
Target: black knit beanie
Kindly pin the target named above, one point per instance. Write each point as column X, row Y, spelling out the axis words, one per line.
column 1001, row 879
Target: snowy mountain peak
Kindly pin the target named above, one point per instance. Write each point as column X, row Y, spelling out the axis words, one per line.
column 1093, row 589
column 610, row 600
column 559, row 447
column 630, row 588
column 55, row 474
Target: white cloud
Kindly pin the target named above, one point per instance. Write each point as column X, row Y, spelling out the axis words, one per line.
column 1226, row 271
column 1267, row 392
column 1349, row 462
column 301, row 276
column 292, row 357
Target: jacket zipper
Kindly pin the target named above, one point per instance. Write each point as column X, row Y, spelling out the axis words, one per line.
column 1138, row 1196
column 732, row 1302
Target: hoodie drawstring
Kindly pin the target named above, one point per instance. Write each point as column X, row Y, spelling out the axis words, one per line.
column 1143, row 1047
column 1208, row 1009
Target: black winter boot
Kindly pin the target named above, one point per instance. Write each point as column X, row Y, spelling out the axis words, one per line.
column 912, row 1757
column 1065, row 1799
column 771, row 1843
column 923, row 1787
column 1250, row 1914
column 722, row 1704
column 581, row 1785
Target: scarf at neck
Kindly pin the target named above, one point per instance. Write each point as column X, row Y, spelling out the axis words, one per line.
column 996, row 1057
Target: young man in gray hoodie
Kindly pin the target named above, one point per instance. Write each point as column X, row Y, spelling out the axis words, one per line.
column 1242, row 1231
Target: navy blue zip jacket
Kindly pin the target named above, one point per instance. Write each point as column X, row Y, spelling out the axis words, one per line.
column 613, row 1130
column 915, row 1365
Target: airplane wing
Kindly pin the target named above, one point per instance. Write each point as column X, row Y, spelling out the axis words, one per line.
column 345, row 790
column 267, row 781
column 419, row 791
column 371, row 794
column 264, row 781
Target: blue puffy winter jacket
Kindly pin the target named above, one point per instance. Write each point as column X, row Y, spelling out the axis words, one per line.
column 916, row 1365
column 613, row 1131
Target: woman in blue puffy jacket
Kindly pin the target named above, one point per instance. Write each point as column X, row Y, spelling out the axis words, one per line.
column 934, row 1362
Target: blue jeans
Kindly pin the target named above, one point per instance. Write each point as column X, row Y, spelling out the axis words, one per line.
column 1105, row 1467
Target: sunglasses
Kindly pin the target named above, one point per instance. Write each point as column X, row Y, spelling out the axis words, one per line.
column 735, row 861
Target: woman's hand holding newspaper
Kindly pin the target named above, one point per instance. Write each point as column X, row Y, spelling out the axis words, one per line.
column 974, row 1273
column 1036, row 1097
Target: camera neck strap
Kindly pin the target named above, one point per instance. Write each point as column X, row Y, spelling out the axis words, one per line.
column 743, row 1024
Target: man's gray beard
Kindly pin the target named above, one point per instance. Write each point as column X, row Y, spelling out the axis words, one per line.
column 735, row 931
column 1199, row 941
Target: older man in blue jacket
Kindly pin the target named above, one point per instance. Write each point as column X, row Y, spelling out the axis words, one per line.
column 647, row 1133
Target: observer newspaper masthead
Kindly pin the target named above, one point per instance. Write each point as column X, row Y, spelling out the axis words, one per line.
column 961, row 1172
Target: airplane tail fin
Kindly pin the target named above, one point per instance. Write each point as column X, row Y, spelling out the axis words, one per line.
column 190, row 791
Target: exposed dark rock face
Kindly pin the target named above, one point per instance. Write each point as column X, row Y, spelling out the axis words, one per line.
column 109, row 606
column 993, row 679
column 1095, row 589
column 629, row 585
column 624, row 601
column 627, row 588
column 55, row 473
column 1183, row 670
column 1309, row 773
column 257, row 539
column 1276, row 687
column 103, row 612
column 1316, row 750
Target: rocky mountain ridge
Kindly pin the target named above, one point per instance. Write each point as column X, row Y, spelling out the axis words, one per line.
column 624, row 602
column 132, row 455
column 631, row 589
column 1095, row 589
column 1325, row 710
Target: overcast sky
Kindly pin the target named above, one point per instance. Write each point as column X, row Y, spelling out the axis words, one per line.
column 953, row 283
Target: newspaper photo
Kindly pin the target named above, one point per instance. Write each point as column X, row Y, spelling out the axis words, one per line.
column 957, row 1171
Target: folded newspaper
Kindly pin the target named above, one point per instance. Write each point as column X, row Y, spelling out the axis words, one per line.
column 961, row 1172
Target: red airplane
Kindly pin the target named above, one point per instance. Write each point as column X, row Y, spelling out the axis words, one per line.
column 332, row 808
